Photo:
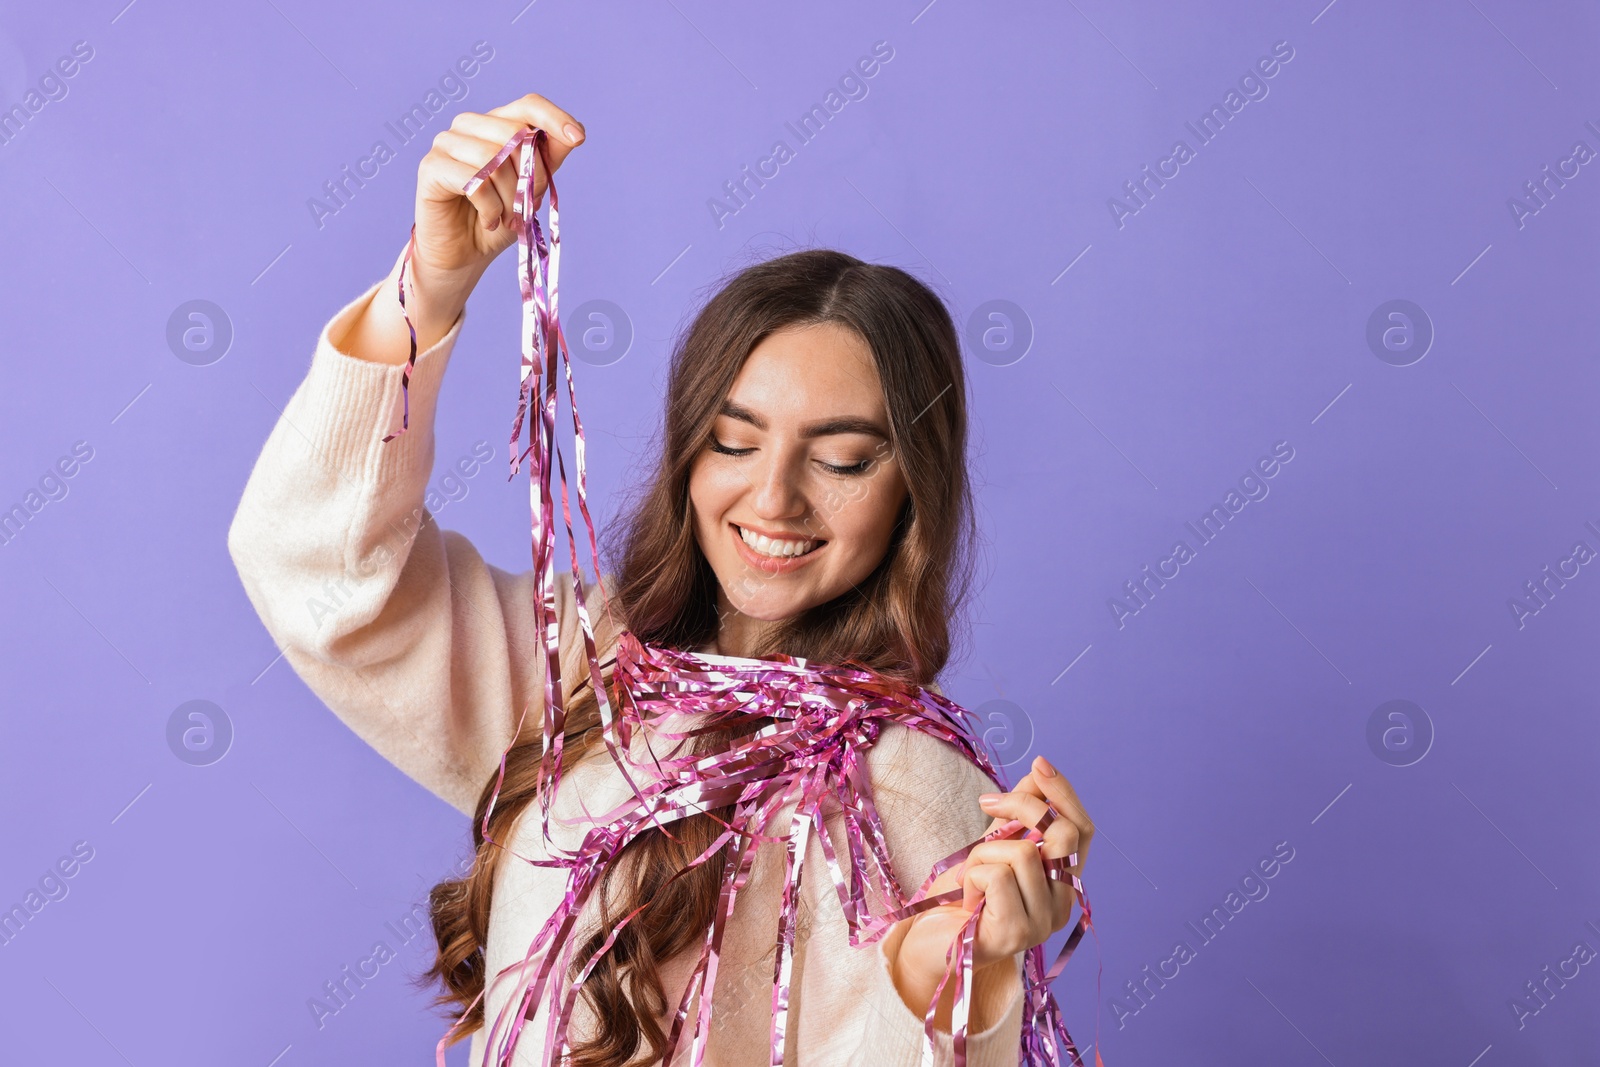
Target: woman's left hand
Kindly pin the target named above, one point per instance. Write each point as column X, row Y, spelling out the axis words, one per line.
column 1022, row 907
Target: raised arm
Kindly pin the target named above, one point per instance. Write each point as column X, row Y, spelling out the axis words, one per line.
column 402, row 629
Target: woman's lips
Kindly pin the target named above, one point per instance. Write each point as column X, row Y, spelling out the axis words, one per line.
column 772, row 565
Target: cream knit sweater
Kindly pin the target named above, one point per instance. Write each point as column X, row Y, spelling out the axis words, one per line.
column 428, row 652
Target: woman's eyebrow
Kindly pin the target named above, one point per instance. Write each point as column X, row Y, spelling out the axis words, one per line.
column 840, row 424
column 844, row 424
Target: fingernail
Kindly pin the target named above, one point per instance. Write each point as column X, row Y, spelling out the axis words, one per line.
column 494, row 223
column 1045, row 768
column 988, row 800
column 573, row 133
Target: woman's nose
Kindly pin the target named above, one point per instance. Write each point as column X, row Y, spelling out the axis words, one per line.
column 777, row 490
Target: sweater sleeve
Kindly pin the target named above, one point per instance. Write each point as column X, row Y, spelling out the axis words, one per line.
column 402, row 629
column 926, row 796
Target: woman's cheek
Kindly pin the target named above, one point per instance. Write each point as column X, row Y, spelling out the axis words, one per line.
column 840, row 507
column 880, row 507
column 859, row 513
column 709, row 491
column 703, row 511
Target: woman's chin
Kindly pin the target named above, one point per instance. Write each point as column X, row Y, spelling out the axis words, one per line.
column 771, row 612
column 769, row 605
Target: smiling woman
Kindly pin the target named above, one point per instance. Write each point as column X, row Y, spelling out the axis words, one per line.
column 810, row 499
column 770, row 457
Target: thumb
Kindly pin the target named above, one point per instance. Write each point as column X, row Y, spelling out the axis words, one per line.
column 974, row 883
column 557, row 150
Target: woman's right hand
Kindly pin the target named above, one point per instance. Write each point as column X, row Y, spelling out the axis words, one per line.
column 459, row 236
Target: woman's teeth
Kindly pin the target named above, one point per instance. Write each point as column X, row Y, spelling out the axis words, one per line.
column 766, row 546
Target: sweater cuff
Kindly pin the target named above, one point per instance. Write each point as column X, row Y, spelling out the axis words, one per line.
column 905, row 1036
column 351, row 404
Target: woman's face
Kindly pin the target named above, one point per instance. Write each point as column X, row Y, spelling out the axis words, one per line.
column 796, row 494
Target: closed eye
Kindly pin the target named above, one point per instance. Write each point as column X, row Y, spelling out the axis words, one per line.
column 851, row 470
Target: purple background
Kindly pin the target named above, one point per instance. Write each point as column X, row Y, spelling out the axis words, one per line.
column 1228, row 314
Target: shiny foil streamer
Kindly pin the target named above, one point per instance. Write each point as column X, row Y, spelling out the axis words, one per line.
column 824, row 718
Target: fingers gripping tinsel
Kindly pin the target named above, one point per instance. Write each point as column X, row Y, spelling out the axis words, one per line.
column 826, row 717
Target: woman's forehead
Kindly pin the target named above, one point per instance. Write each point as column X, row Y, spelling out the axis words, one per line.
column 810, row 372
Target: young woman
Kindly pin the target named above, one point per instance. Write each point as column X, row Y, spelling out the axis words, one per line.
column 810, row 498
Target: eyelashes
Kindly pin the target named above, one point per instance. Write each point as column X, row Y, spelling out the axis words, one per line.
column 851, row 471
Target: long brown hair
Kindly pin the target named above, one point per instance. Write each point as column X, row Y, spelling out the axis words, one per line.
column 897, row 622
